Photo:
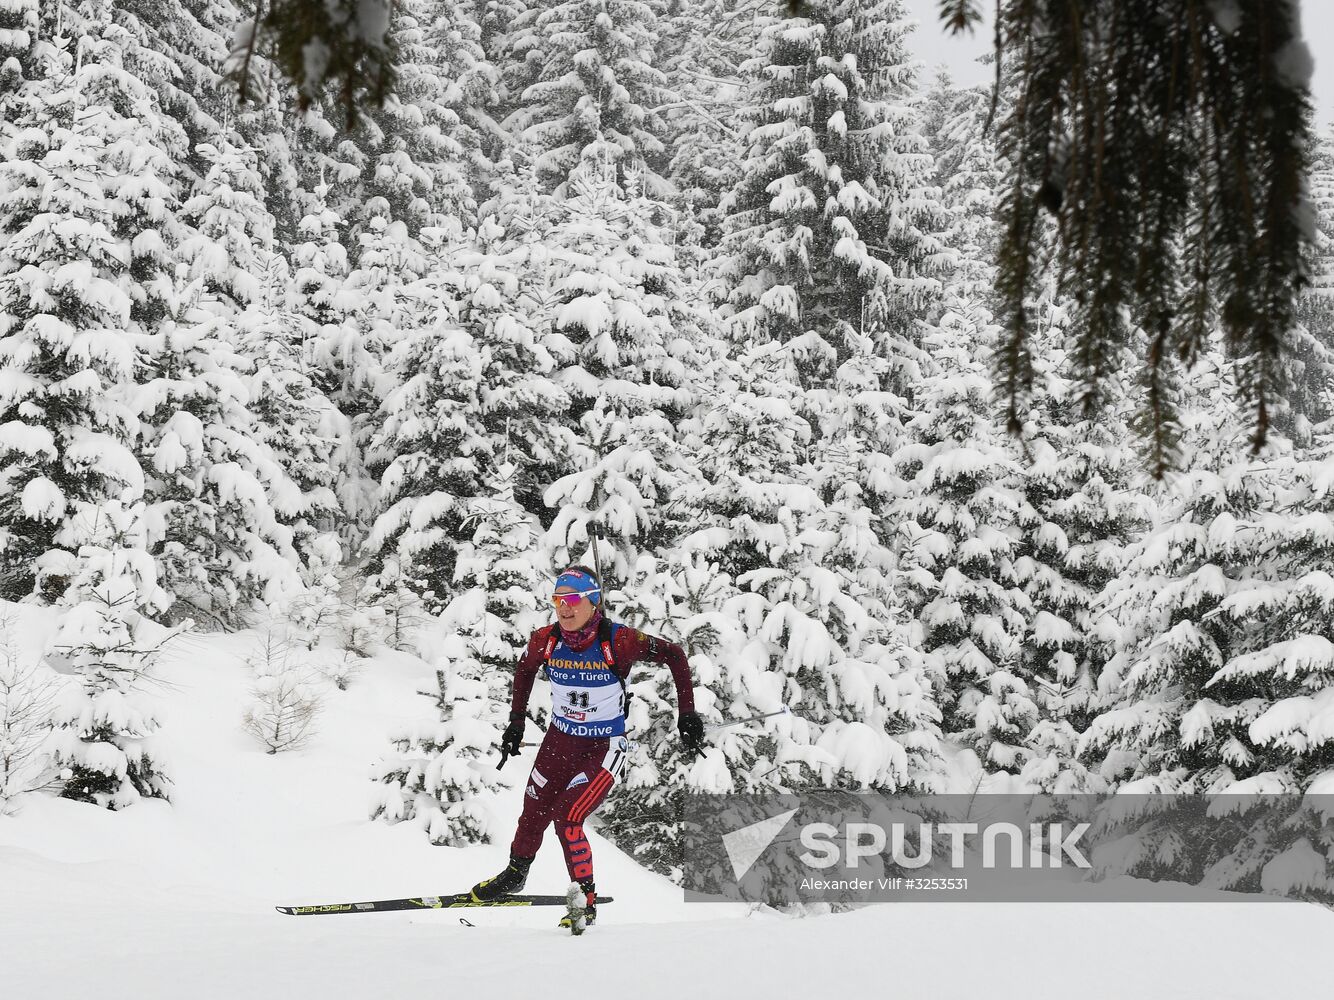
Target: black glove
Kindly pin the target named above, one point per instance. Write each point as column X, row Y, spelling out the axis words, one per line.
column 691, row 728
column 512, row 737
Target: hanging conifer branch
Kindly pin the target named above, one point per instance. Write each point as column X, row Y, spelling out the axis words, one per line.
column 1168, row 140
column 319, row 45
column 960, row 15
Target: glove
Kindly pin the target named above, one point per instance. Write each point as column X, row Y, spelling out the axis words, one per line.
column 691, row 728
column 513, row 736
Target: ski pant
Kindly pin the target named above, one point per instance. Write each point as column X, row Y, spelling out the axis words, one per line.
column 570, row 778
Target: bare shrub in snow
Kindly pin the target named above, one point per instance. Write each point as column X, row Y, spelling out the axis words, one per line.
column 342, row 668
column 27, row 704
column 334, row 612
column 275, row 652
column 403, row 615
column 286, row 696
column 283, row 714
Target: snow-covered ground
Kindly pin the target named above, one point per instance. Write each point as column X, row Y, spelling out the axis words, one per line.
column 171, row 901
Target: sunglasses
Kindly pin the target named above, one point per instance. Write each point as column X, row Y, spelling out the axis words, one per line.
column 570, row 600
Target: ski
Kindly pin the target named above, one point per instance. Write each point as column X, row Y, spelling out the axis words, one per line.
column 462, row 899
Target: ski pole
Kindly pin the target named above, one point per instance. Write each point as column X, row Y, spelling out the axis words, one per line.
column 741, row 722
column 529, row 743
column 596, row 535
column 504, row 755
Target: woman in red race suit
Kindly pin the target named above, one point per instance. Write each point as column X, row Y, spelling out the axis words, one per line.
column 588, row 660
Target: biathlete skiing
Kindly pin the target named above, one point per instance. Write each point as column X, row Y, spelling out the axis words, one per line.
column 588, row 659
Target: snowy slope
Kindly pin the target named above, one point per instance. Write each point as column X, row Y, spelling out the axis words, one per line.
column 177, row 900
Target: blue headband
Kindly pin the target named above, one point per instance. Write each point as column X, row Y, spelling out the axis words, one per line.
column 580, row 581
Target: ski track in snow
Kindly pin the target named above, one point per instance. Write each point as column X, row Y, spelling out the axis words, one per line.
column 164, row 901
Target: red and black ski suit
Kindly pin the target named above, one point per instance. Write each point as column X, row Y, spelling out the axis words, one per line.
column 573, row 774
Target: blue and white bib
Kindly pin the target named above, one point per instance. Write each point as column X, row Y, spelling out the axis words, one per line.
column 587, row 697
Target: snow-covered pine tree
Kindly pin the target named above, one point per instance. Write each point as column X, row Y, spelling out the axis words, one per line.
column 970, row 178
column 284, row 707
column 879, row 713
column 398, row 182
column 827, row 267
column 474, row 390
column 1077, row 511
column 681, row 596
column 883, row 721
column 1281, row 665
column 347, row 357
column 176, row 48
column 441, row 776
column 293, row 423
column 811, row 600
column 320, row 263
column 1165, row 730
column 266, row 130
column 830, row 250
column 702, row 46
column 882, row 679
column 831, row 223
column 1274, row 691
column 233, row 228
column 414, row 153
column 935, row 100
column 1083, row 504
column 959, row 538
column 22, row 53
column 438, row 452
column 1321, row 182
column 224, row 502
column 283, row 393
column 323, row 315
column 212, row 484
column 82, row 250
column 473, row 88
column 594, row 91
column 179, row 46
column 498, row 562
column 524, row 405
column 327, row 165
column 1308, row 406
column 1225, row 655
column 613, row 278
column 104, row 747
column 509, row 37
column 619, row 300
column 687, row 600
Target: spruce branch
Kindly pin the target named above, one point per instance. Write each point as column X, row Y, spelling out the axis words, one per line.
column 1168, row 142
column 960, row 15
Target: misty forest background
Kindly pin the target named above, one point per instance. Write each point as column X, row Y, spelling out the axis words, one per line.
column 718, row 280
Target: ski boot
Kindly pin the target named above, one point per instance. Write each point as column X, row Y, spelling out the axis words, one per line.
column 580, row 906
column 508, row 882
